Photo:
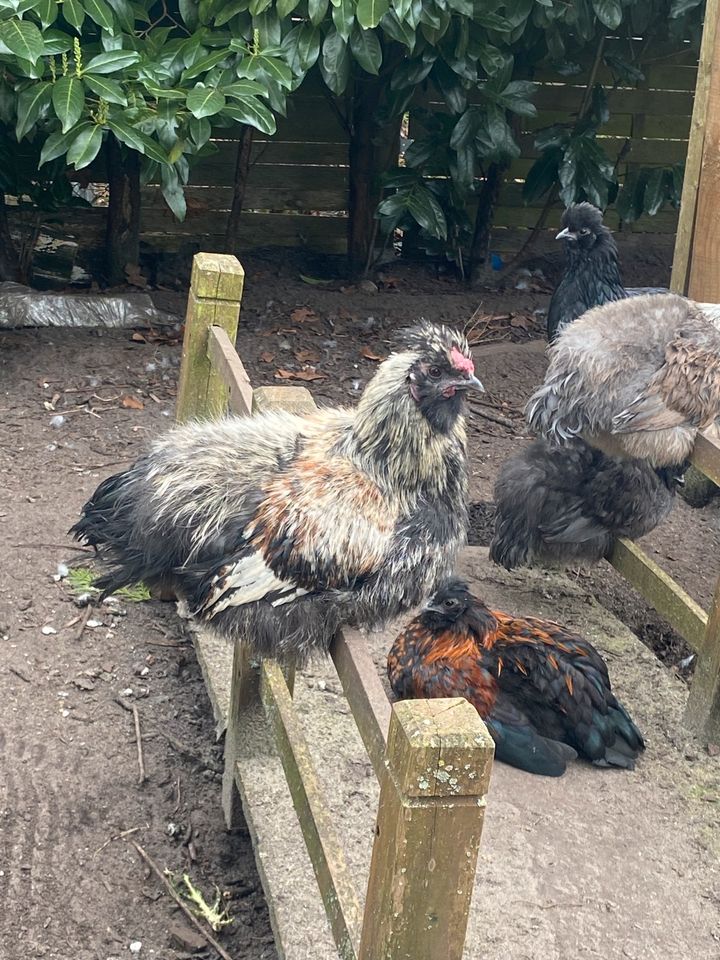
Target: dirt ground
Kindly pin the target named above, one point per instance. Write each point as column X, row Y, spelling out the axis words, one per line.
column 71, row 881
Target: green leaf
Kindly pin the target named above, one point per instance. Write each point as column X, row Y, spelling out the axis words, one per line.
column 366, row 49
column 54, row 41
column 163, row 93
column 101, row 13
column 57, row 143
column 200, row 130
column 465, row 130
column 258, row 6
column 542, row 176
column 343, row 16
column 308, row 45
column 608, row 12
column 30, row 102
column 397, row 29
column 125, row 14
column 654, row 191
column 109, row 90
column 205, row 101
column 126, row 133
column 243, row 88
column 492, row 60
column 370, row 13
column 22, row 38
column 253, row 113
column 316, row 11
column 425, row 209
column 229, row 11
column 204, row 64
column 47, row 10
column 491, row 21
column 74, row 14
column 112, row 61
column 68, row 97
column 262, row 66
column 269, row 29
column 173, row 192
column 189, row 13
column 679, row 8
column 335, row 62
column 85, row 147
column 516, row 97
column 285, row 7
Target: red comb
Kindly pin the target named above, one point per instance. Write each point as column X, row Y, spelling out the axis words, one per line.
column 461, row 362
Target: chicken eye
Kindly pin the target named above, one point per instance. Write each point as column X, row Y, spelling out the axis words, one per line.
column 585, row 231
column 449, row 602
column 434, row 373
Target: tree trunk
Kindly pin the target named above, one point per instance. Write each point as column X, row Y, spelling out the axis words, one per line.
column 9, row 260
column 242, row 172
column 480, row 248
column 122, row 242
column 373, row 150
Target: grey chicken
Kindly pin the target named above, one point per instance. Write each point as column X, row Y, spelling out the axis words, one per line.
column 567, row 504
column 592, row 276
column 635, row 378
column 278, row 528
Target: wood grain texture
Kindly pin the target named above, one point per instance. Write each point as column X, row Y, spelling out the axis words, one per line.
column 660, row 590
column 229, row 367
column 703, row 707
column 214, row 299
column 687, row 223
column 429, row 825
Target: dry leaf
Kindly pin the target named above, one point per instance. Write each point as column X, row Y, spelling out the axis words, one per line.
column 267, row 357
column 138, row 338
column 302, row 314
column 306, row 375
column 369, row 355
column 307, row 356
column 133, row 403
column 520, row 320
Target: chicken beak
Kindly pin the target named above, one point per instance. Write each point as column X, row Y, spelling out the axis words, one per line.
column 472, row 383
column 566, row 234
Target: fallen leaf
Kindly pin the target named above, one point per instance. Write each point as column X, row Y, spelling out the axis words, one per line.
column 307, row 356
column 302, row 314
column 314, row 281
column 306, row 375
column 138, row 337
column 132, row 403
column 369, row 355
column 267, row 357
column 520, row 320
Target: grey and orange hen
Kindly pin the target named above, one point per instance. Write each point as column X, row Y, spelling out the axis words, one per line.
column 543, row 691
column 278, row 528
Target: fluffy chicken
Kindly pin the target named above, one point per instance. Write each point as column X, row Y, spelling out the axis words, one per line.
column 592, row 275
column 567, row 504
column 278, row 528
column 635, row 378
column 543, row 691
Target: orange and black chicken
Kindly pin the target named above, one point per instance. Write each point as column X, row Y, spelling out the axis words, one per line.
column 543, row 691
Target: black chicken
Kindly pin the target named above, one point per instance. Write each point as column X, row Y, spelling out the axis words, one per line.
column 278, row 528
column 592, row 275
column 565, row 504
column 543, row 691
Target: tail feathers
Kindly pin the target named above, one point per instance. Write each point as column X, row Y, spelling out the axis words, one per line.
column 524, row 748
column 510, row 545
column 614, row 740
column 96, row 525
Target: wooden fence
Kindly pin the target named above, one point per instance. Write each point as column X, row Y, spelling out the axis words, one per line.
column 428, row 824
column 298, row 184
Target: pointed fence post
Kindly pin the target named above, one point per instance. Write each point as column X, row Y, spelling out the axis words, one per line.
column 216, row 290
column 430, row 818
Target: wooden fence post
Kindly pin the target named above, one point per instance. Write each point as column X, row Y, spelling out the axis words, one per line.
column 216, row 289
column 702, row 713
column 430, row 817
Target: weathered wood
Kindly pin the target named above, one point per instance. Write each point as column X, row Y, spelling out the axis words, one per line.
column 224, row 358
column 364, row 692
column 708, row 74
column 706, row 457
column 244, row 701
column 216, row 288
column 429, row 824
column 292, row 399
column 331, row 870
column 703, row 707
column 668, row 597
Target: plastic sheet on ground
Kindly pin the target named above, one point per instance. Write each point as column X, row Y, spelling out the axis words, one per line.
column 21, row 306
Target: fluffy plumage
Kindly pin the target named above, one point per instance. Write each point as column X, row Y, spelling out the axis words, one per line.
column 635, row 378
column 592, row 276
column 565, row 504
column 277, row 528
column 543, row 691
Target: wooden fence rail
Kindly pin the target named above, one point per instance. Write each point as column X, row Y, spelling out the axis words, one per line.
column 429, row 822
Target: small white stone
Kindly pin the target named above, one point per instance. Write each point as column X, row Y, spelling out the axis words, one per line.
column 48, row 631
column 57, row 421
column 135, row 946
column 61, row 572
column 127, row 692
